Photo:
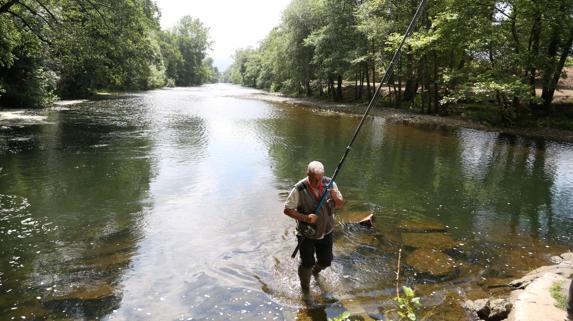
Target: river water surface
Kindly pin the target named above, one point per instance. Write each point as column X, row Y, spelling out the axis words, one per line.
column 167, row 205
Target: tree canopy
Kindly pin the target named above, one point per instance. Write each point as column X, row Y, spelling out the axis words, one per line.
column 73, row 48
column 462, row 51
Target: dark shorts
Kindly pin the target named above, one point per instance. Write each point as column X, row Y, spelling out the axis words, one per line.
column 322, row 248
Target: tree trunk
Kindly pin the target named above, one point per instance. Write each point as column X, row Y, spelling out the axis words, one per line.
column 368, row 89
column 389, row 91
column 426, row 86
column 374, row 74
column 396, row 94
column 361, row 83
column 356, row 85
column 533, row 48
column 411, row 81
column 436, row 90
column 332, row 90
column 339, row 88
column 514, row 32
column 549, row 87
column 399, row 97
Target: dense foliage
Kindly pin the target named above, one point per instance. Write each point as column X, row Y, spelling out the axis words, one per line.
column 73, row 48
column 463, row 51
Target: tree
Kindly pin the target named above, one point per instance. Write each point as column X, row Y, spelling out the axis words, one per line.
column 78, row 47
column 334, row 42
column 489, row 52
column 193, row 41
column 25, row 80
column 173, row 59
column 209, row 73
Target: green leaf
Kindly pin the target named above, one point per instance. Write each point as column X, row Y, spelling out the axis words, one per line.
column 408, row 291
column 412, row 316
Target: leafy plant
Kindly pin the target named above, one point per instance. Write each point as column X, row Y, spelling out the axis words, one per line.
column 556, row 292
column 344, row 316
column 407, row 304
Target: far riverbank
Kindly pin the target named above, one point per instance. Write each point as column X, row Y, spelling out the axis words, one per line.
column 395, row 115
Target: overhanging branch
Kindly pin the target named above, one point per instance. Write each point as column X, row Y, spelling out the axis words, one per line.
column 102, row 17
column 27, row 25
column 35, row 13
column 5, row 7
column 47, row 10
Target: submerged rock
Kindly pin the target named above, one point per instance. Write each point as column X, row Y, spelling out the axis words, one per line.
column 438, row 241
column 564, row 269
column 89, row 293
column 449, row 310
column 354, row 217
column 490, row 283
column 425, row 226
column 100, row 298
column 32, row 308
column 432, row 262
column 109, row 262
column 356, row 310
column 520, row 259
column 349, row 244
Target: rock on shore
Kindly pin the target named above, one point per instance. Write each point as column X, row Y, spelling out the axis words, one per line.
column 531, row 300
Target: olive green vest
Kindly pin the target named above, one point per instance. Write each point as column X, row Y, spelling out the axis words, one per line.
column 307, row 204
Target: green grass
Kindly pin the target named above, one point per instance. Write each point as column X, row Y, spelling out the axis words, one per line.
column 556, row 292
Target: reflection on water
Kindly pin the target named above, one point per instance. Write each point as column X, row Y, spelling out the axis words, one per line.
column 167, row 205
column 72, row 197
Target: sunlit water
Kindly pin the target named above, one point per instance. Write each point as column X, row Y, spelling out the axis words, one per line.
column 167, row 205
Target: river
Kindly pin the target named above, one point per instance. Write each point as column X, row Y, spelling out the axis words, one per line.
column 167, row 205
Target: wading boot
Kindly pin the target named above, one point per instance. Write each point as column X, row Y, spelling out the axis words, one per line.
column 304, row 275
column 316, row 270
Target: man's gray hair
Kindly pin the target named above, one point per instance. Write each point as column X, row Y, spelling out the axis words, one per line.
column 315, row 167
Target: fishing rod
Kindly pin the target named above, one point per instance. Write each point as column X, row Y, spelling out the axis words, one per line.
column 388, row 73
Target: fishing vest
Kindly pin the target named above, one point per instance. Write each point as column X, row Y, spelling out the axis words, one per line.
column 307, row 204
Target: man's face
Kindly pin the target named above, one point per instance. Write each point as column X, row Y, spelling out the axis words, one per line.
column 315, row 179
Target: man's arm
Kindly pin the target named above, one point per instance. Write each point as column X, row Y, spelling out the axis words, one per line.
column 336, row 196
column 310, row 218
column 291, row 205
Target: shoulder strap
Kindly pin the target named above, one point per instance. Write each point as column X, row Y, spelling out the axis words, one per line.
column 301, row 186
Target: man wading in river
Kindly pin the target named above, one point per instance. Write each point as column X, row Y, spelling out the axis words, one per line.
column 314, row 230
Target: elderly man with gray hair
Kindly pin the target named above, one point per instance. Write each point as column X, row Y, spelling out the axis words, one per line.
column 314, row 230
